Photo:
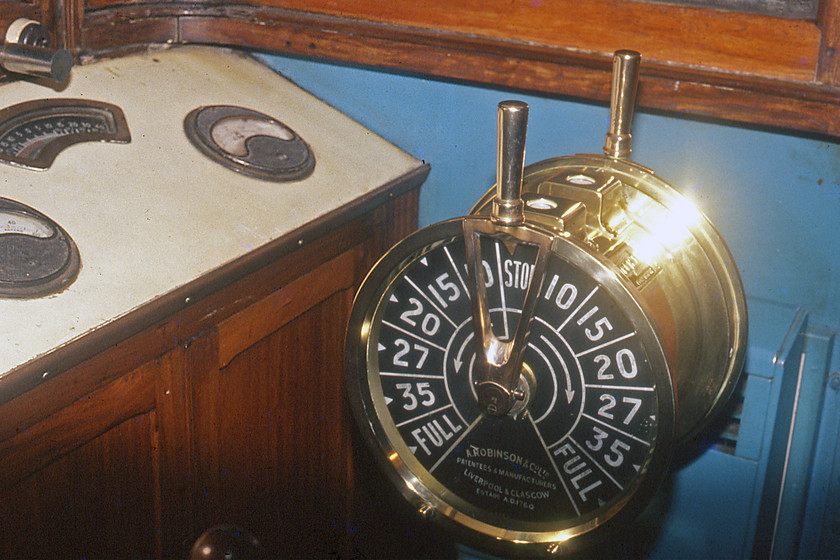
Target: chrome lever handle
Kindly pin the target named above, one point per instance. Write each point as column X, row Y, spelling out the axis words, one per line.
column 26, row 51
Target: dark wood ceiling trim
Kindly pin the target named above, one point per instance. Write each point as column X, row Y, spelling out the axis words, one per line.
column 808, row 107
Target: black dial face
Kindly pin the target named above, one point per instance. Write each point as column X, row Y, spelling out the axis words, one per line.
column 575, row 446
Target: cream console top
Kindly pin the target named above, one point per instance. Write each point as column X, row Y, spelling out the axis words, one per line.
column 152, row 215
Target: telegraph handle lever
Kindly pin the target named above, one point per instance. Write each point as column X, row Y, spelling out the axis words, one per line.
column 512, row 125
column 499, row 363
column 625, row 78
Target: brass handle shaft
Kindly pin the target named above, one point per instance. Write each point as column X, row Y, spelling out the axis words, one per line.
column 625, row 78
column 512, row 125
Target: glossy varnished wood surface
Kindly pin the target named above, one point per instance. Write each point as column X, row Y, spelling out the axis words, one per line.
column 676, row 35
column 745, row 68
column 828, row 20
column 752, row 69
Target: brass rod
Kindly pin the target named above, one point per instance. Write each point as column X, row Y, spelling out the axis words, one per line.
column 512, row 125
column 625, row 77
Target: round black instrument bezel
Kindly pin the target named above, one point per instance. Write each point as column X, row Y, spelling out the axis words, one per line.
column 36, row 267
column 475, row 525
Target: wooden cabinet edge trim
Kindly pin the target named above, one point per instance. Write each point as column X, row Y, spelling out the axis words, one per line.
column 828, row 19
column 731, row 96
column 438, row 22
column 272, row 28
column 814, row 108
column 242, row 330
column 809, row 108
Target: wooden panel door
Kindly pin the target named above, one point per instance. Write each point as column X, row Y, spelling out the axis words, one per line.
column 231, row 410
column 82, row 481
column 271, row 441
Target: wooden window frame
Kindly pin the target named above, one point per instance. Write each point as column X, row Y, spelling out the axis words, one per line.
column 745, row 68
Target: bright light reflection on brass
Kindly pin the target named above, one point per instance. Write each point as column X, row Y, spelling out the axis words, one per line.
column 665, row 231
column 666, row 250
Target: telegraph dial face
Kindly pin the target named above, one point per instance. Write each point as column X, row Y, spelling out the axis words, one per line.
column 586, row 441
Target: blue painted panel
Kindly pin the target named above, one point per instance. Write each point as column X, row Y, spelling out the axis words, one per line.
column 773, row 333
column 724, row 507
column 820, row 536
column 774, row 197
column 800, row 453
column 757, row 401
column 772, row 460
column 770, row 324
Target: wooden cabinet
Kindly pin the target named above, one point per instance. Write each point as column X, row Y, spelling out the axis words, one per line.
column 230, row 410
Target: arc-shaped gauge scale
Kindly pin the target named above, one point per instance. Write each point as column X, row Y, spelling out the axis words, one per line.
column 33, row 133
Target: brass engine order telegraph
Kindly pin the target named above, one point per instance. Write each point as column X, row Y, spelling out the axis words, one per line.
column 526, row 372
